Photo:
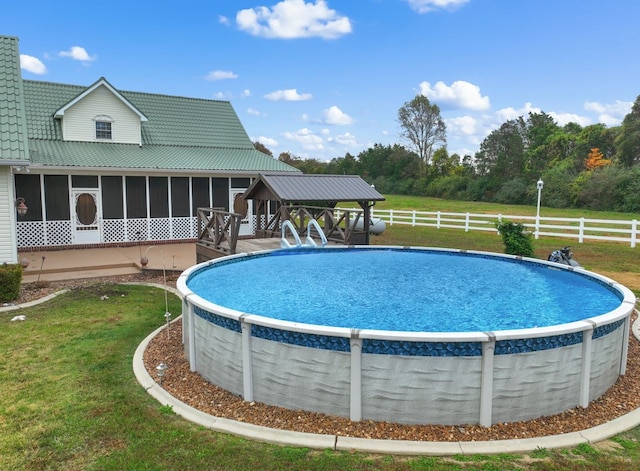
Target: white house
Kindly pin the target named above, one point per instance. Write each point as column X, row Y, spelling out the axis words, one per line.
column 96, row 166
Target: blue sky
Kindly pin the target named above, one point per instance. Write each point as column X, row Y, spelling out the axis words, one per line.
column 321, row 78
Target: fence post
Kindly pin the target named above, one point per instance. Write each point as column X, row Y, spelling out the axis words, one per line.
column 413, row 218
column 438, row 220
column 581, row 233
column 391, row 217
column 466, row 223
column 634, row 232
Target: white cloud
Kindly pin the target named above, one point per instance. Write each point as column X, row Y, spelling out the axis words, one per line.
column 246, row 92
column 220, row 75
column 32, row 64
column 611, row 115
column 505, row 114
column 223, row 20
column 460, row 94
column 267, row 142
column 335, row 115
column 306, row 138
column 290, row 19
column 426, row 6
column 78, row 53
column 288, row 95
column 462, row 125
column 254, row 112
column 565, row 118
column 346, row 139
column 222, row 96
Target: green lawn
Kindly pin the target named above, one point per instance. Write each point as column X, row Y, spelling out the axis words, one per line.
column 437, row 204
column 69, row 399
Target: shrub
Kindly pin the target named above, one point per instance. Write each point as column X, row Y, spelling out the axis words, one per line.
column 513, row 192
column 516, row 240
column 10, row 279
column 449, row 187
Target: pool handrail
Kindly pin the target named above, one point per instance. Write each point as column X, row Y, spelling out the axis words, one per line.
column 284, row 243
column 310, row 242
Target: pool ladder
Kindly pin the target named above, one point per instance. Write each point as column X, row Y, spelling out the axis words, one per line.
column 309, row 242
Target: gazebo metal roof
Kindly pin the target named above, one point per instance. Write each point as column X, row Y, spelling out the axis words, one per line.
column 301, row 188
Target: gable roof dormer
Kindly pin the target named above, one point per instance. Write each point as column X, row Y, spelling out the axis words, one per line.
column 101, row 82
column 100, row 113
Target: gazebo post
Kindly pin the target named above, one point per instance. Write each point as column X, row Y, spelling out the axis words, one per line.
column 367, row 219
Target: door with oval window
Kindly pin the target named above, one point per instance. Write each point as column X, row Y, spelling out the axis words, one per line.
column 86, row 219
column 240, row 206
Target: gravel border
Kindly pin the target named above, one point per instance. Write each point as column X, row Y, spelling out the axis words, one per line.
column 190, row 388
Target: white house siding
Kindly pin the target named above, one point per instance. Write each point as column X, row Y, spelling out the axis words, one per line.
column 78, row 122
column 8, row 251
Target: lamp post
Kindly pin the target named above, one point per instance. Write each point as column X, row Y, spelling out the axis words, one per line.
column 540, row 185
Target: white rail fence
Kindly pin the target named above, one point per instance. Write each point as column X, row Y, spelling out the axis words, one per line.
column 572, row 228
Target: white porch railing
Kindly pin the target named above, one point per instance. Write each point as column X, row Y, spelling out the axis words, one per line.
column 571, row 228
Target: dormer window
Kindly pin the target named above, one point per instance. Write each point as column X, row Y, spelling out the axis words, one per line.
column 103, row 130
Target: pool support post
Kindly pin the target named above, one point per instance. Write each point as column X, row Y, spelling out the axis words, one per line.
column 190, row 333
column 486, row 382
column 247, row 364
column 585, row 373
column 355, row 409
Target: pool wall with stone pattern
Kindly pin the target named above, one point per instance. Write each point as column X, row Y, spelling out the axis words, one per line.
column 408, row 377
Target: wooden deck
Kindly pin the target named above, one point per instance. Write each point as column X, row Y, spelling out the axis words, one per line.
column 219, row 230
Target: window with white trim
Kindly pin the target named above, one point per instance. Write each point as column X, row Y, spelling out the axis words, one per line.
column 103, row 130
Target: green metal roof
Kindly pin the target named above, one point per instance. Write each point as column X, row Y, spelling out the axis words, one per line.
column 13, row 134
column 152, row 157
column 178, row 134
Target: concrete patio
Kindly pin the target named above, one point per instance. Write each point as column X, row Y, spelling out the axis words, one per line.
column 69, row 264
column 55, row 265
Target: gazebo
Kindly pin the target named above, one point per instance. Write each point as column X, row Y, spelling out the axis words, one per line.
column 299, row 198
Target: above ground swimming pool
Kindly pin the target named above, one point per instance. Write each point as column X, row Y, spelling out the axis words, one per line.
column 406, row 335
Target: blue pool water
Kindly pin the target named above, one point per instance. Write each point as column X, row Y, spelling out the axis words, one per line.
column 402, row 290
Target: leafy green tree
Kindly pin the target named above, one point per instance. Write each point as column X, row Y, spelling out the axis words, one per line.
column 514, row 191
column 262, row 148
column 444, row 164
column 501, row 154
column 347, row 165
column 558, row 180
column 288, row 158
column 539, row 129
column 422, row 126
column 628, row 141
column 612, row 188
column 393, row 169
column 455, row 187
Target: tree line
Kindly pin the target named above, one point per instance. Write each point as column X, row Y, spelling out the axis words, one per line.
column 592, row 167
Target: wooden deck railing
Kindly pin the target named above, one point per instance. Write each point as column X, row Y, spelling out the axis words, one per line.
column 337, row 226
column 218, row 229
